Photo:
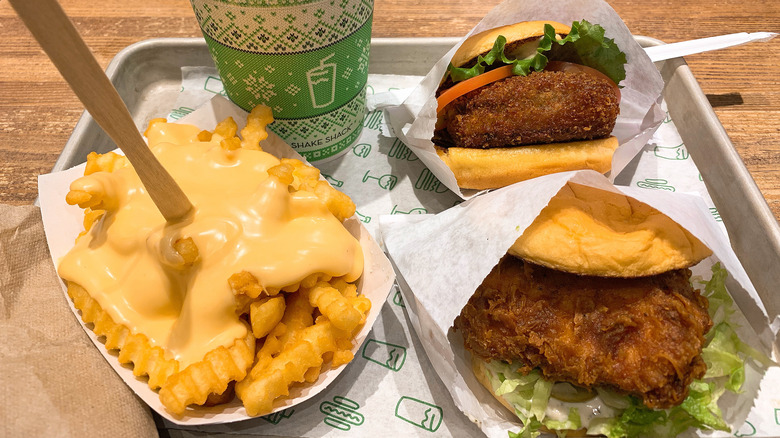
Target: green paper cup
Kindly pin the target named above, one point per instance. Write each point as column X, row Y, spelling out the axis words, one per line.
column 306, row 59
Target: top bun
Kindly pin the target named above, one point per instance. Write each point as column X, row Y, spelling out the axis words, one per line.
column 482, row 42
column 588, row 231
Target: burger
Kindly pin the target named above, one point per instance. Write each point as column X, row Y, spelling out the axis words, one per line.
column 590, row 324
column 529, row 99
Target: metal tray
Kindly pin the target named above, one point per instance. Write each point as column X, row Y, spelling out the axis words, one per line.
column 148, row 77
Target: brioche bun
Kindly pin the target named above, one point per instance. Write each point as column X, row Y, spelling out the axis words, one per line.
column 482, row 42
column 498, row 167
column 588, row 231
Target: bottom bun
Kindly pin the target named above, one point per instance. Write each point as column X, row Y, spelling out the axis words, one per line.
column 498, row 167
column 481, row 373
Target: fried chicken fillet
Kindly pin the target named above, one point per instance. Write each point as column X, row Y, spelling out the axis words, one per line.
column 642, row 336
column 543, row 107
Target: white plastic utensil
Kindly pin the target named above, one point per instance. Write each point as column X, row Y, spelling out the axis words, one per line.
column 685, row 48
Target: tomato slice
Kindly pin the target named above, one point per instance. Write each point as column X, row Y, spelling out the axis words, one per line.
column 478, row 81
column 471, row 84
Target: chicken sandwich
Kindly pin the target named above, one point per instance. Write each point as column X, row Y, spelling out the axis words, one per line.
column 590, row 323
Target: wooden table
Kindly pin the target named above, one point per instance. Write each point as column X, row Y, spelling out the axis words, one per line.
column 38, row 111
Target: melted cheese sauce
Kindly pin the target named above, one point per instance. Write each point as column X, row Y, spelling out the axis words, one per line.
column 243, row 220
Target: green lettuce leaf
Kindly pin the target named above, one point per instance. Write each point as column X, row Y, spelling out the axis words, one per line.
column 542, row 390
column 572, row 422
column 722, row 358
column 511, row 380
column 702, row 405
column 504, row 376
column 721, row 309
column 531, row 429
column 584, row 45
column 721, row 305
column 521, row 67
column 587, row 45
column 636, row 420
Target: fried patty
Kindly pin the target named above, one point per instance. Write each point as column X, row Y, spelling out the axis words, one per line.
column 641, row 336
column 543, row 107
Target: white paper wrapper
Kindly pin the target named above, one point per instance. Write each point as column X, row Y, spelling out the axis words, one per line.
column 449, row 255
column 62, row 223
column 414, row 120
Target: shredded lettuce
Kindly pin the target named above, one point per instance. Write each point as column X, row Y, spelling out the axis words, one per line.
column 702, row 405
column 511, row 380
column 722, row 358
column 636, row 420
column 530, row 429
column 504, row 376
column 542, row 390
column 721, row 305
column 724, row 353
column 722, row 338
column 584, row 45
column 572, row 422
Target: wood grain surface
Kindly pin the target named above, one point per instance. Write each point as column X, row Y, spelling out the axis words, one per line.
column 38, row 111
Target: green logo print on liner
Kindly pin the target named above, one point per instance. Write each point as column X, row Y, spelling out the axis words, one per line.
column 214, row 85
column 180, row 112
column 373, row 120
column 678, row 152
column 276, row 417
column 668, row 118
column 398, row 299
column 419, row 413
column 363, row 218
column 388, row 355
column 750, row 430
column 362, row 150
column 341, row 413
column 777, row 416
column 427, row 181
column 418, row 210
column 716, row 214
column 401, row 152
column 655, row 183
column 386, row 181
column 333, row 181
